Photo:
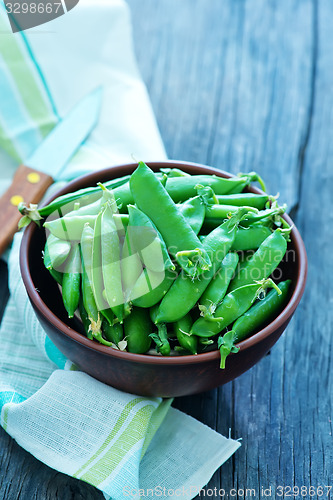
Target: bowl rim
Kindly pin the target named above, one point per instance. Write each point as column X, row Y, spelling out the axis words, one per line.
column 77, row 337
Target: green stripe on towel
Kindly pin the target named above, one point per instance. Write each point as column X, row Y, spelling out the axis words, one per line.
column 29, row 87
column 123, row 416
column 134, row 432
column 7, row 144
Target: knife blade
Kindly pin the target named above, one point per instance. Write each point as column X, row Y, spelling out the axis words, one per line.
column 41, row 169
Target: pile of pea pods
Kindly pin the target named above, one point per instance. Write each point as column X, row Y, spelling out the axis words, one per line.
column 168, row 263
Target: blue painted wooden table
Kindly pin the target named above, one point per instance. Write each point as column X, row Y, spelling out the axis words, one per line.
column 245, row 85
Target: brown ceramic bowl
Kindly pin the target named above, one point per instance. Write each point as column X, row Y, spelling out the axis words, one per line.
column 149, row 375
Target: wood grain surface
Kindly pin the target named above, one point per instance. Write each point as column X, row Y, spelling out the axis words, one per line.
column 245, row 85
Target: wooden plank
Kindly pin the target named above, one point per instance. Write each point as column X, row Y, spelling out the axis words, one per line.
column 230, row 82
column 312, row 357
column 24, row 477
column 238, row 95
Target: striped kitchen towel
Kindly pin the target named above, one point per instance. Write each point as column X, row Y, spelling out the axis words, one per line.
column 42, row 79
column 123, row 444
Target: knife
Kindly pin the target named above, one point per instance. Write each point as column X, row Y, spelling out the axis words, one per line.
column 32, row 179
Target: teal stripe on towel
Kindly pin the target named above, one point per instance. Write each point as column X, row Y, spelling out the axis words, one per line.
column 10, row 397
column 54, row 354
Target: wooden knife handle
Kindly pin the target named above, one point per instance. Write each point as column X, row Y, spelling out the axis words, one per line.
column 28, row 185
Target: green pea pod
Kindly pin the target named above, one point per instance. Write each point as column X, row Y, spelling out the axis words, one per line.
column 56, row 252
column 269, row 215
column 90, row 315
column 180, row 189
column 218, row 286
column 147, row 241
column 183, row 188
column 70, row 229
column 194, row 212
column 233, row 305
column 120, row 220
column 96, row 265
column 56, row 275
column 131, row 266
column 161, row 340
column 46, row 257
column 98, row 335
column 215, row 214
column 253, row 177
column 264, row 261
column 111, row 267
column 113, row 333
column 179, row 237
column 250, row 238
column 207, row 195
column 153, row 312
column 87, row 196
column 258, row 201
column 221, row 212
column 262, row 312
column 244, row 257
column 151, row 287
column 226, row 345
column 94, row 208
column 182, row 329
column 72, row 280
column 124, row 195
column 87, row 240
column 70, row 226
column 65, row 203
column 97, row 274
column 85, row 319
column 174, row 172
column 185, row 291
column 137, row 327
